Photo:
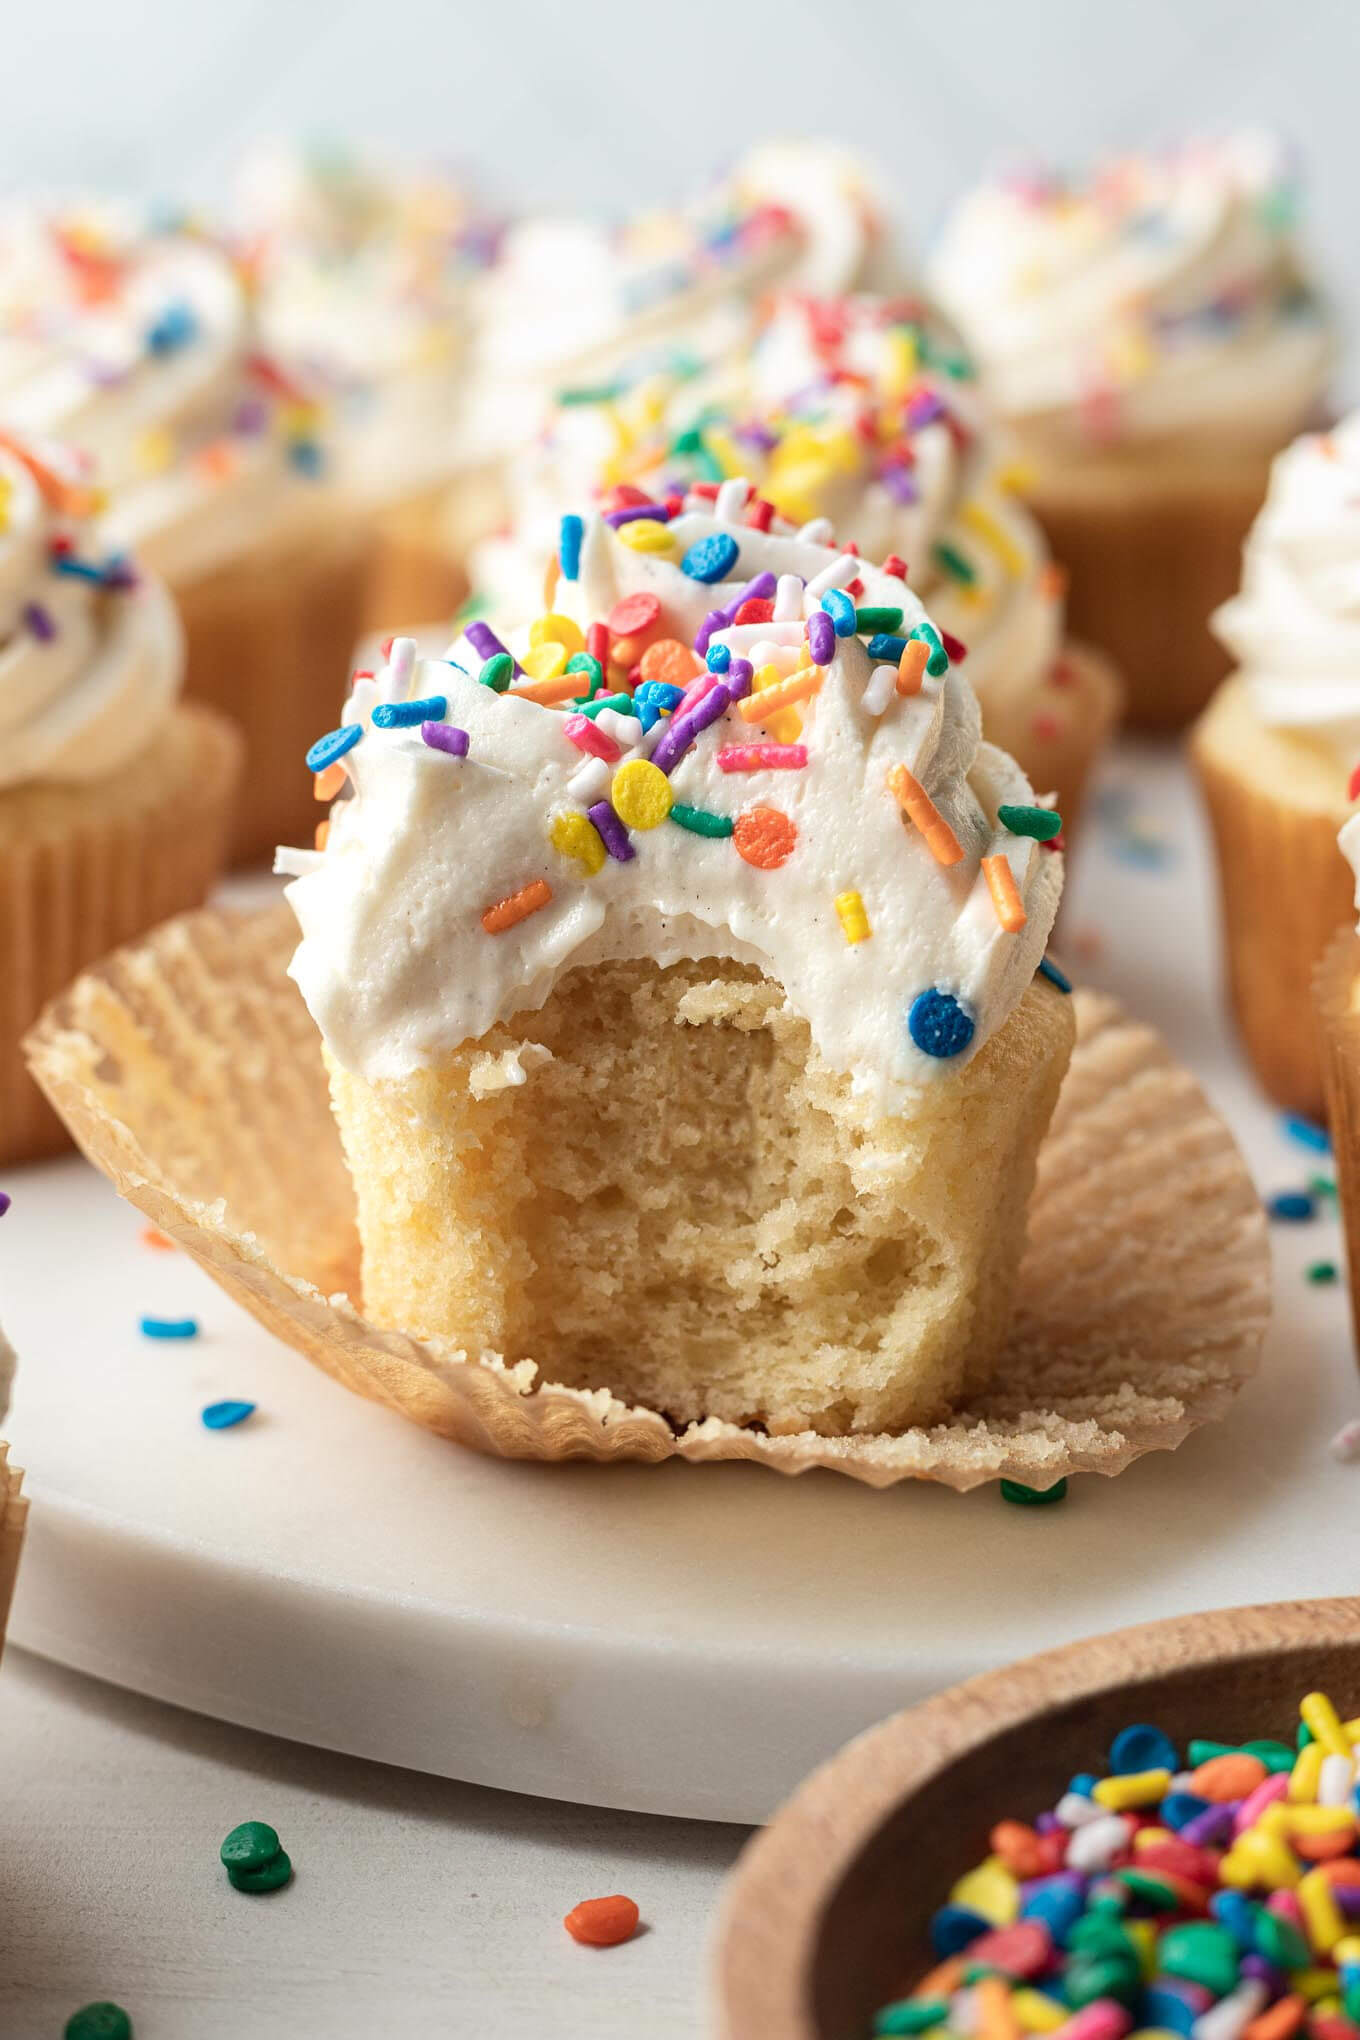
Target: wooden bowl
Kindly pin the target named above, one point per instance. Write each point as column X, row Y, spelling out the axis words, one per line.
column 827, row 1913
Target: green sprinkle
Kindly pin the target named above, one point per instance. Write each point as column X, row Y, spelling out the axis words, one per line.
column 622, row 702
column 599, row 393
column 909, row 2015
column 1322, row 1186
column 586, row 662
column 1152, row 1890
column 1304, row 1736
column 250, row 1846
column 1280, row 1942
column 867, row 621
column 1016, row 1491
column 1276, row 1756
column 271, row 1877
column 103, row 2021
column 938, row 662
column 497, row 672
column 700, row 822
column 692, row 444
column 950, row 561
column 1322, row 1271
column 1039, row 822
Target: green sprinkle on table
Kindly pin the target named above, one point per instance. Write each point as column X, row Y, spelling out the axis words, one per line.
column 1032, row 1497
column 1322, row 1271
column 250, row 1846
column 104, row 2021
column 271, row 1877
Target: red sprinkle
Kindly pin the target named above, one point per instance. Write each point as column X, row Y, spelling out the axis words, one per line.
column 896, row 566
column 760, row 515
column 1353, row 784
column 633, row 613
column 603, row 1922
column 955, row 647
column 760, row 609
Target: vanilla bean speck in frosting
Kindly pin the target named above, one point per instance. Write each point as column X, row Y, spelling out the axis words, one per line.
column 91, row 653
column 720, row 742
column 1165, row 296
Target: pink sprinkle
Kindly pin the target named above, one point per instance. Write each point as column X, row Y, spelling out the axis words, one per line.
column 1285, row 1906
column 763, row 758
column 1102, row 2020
column 581, row 731
column 695, row 693
column 1254, row 1805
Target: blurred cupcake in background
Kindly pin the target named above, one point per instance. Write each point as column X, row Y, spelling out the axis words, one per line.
column 856, row 417
column 1336, row 993
column 1276, row 750
column 114, row 799
column 137, row 344
column 1148, row 337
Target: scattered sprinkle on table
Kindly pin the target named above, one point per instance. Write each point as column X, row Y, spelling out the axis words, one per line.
column 1322, row 1271
column 1306, row 1132
column 254, row 1859
column 152, row 1236
column 104, row 2021
column 602, row 1922
column 1030, row 1497
column 1346, row 1444
column 220, row 1416
column 1292, row 1207
column 5, row 1202
column 169, row 1328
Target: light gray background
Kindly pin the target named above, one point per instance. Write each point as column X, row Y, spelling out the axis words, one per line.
column 605, row 104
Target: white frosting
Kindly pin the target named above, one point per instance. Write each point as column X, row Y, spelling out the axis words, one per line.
column 88, row 671
column 1295, row 626
column 139, row 347
column 1164, row 297
column 839, row 208
column 395, row 964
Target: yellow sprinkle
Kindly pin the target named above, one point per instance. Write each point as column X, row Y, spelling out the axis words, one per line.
column 1303, row 1779
column 1259, row 1858
column 990, row 1890
column 1347, row 1950
column 557, row 630
column 785, row 725
column 980, row 521
column 1321, row 1913
column 1016, row 477
column 724, row 450
column 1328, row 2007
column 155, row 450
column 899, row 366
column 575, row 835
column 1152, row 1838
column 1308, row 1820
column 1037, row 2013
column 852, row 917
column 641, row 794
column 1313, row 1984
column 647, row 535
column 545, row 661
column 1143, row 1934
column 1324, row 1723
column 1152, row 2033
column 1134, row 1788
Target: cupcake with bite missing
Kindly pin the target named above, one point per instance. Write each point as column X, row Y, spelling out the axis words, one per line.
column 115, row 799
column 675, row 962
column 1276, row 749
column 137, row 343
column 1148, row 336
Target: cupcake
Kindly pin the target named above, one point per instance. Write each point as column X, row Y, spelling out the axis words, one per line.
column 1148, row 338
column 1275, row 749
column 1336, row 992
column 857, row 415
column 114, row 800
column 138, row 346
column 675, row 962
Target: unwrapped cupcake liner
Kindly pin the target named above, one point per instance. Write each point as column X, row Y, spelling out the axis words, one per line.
column 1335, row 988
column 191, row 1073
column 1285, row 889
column 1150, row 553
column 85, row 868
column 269, row 641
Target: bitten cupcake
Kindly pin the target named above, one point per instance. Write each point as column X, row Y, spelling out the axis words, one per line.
column 682, row 1017
column 1275, row 751
column 139, row 347
column 855, row 415
column 114, row 800
column 1149, row 338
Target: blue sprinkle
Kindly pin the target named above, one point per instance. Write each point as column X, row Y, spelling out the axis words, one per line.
column 1306, row 1132
column 841, row 610
column 1084, row 1784
column 76, row 570
column 306, row 456
column 938, row 1024
column 220, row 1416
column 647, row 713
column 1292, row 1206
column 1178, row 1809
column 1054, row 975
column 1164, row 2003
column 569, row 547
column 953, row 1927
column 1141, row 1747
column 333, row 745
column 1057, row 1902
column 718, row 658
column 712, row 558
column 1233, row 1910
column 169, row 1328
column 175, row 327
column 404, row 715
column 886, row 648
column 661, row 694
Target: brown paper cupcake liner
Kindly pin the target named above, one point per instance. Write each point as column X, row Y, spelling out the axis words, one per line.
column 85, row 868
column 190, row 1072
column 1285, row 889
column 1338, row 1019
column 412, row 575
column 1058, row 734
column 269, row 641
column 1149, row 556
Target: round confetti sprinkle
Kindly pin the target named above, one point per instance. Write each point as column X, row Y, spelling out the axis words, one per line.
column 711, row 559
column 103, row 2021
column 1039, row 822
column 633, row 614
column 939, row 1024
column 250, row 1846
column 271, row 1877
column 641, row 794
column 1032, row 1497
column 220, row 1416
column 333, row 745
column 169, row 1328
column 497, row 672
column 764, row 837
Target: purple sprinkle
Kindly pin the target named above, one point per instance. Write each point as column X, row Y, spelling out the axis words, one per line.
column 1347, row 1897
column 821, row 637
column 924, row 408
column 634, row 511
column 1265, row 1972
column 1047, row 1824
column 1209, row 1829
column 738, row 678
column 685, row 728
column 442, row 736
column 120, row 574
column 5, row 1202
column 39, row 622
column 759, row 590
column 756, row 435
column 611, row 831
column 717, row 619
column 483, row 640
column 250, row 418
column 899, row 482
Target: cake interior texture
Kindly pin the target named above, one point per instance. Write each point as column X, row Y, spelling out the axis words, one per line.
column 676, row 1199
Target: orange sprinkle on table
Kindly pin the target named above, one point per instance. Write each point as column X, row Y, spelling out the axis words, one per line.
column 911, row 666
column 517, row 907
column 1010, row 908
column 919, row 809
column 799, row 686
column 764, row 837
column 152, row 1236
column 603, row 1922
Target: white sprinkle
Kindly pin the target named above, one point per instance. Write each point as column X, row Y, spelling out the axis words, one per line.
column 1095, row 1845
column 838, row 575
column 731, row 499
column 1074, row 1809
column 1346, row 1444
column 1335, row 1779
column 1226, row 2019
column 816, row 533
column 737, row 636
column 624, row 729
column 963, row 2013
column 291, row 863
column 880, row 690
column 788, row 598
column 396, row 679
column 589, row 781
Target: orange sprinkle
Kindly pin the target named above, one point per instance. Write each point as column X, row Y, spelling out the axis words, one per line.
column 603, row 1922
column 327, row 784
column 1018, row 1848
column 943, row 1981
column 323, row 831
column 517, row 907
column 799, row 686
column 1053, row 580
column 667, row 660
column 996, row 2019
column 764, row 837
column 152, row 1236
column 1283, row 2018
column 1321, row 1848
column 912, row 665
column 1344, row 1871
column 217, row 460
column 549, row 692
column 919, row 809
column 1229, row 1777
column 1010, row 908
column 550, row 574
column 71, row 497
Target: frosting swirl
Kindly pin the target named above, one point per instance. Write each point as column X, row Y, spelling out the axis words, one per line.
column 138, row 346
column 812, row 798
column 1295, row 626
column 1165, row 297
column 90, row 655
